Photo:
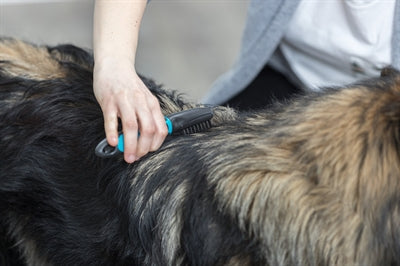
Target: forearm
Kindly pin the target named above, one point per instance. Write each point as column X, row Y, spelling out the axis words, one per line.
column 116, row 28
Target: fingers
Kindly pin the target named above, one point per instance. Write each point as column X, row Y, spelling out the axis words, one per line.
column 145, row 117
column 130, row 130
column 110, row 115
column 121, row 93
column 148, row 119
column 159, row 125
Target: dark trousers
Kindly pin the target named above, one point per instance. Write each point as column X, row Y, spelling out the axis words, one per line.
column 268, row 87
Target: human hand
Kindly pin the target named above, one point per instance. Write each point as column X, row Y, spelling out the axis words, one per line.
column 121, row 93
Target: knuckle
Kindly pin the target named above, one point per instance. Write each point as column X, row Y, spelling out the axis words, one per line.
column 163, row 131
column 153, row 101
column 138, row 95
column 130, row 124
column 148, row 130
column 110, row 119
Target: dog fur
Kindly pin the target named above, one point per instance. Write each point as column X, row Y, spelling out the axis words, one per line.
column 312, row 182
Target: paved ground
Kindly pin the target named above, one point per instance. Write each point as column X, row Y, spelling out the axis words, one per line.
column 184, row 44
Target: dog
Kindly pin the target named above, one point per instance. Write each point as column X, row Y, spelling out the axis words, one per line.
column 314, row 181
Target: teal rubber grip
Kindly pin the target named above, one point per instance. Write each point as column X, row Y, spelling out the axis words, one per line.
column 121, row 136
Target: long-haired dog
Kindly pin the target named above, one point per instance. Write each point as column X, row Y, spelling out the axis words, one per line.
column 312, row 182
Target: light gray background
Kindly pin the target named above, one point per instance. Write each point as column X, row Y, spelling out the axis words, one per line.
column 184, row 44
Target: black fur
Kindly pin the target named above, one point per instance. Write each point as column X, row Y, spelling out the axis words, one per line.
column 312, row 183
column 77, row 208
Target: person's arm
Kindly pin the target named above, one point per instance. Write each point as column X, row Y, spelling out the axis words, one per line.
column 117, row 87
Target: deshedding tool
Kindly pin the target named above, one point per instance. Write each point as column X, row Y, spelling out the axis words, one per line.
column 184, row 122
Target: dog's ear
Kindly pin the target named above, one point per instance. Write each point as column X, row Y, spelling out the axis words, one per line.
column 389, row 71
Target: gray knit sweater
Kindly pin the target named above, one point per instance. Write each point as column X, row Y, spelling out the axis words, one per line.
column 266, row 24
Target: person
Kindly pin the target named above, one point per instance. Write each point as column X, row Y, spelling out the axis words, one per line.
column 288, row 46
column 117, row 87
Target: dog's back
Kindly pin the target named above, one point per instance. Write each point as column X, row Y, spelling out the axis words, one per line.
column 312, row 182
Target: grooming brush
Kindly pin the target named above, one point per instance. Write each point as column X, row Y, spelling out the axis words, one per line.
column 185, row 122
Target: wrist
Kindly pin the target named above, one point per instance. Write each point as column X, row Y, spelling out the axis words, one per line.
column 114, row 60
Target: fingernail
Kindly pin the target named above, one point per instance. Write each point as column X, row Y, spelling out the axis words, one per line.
column 131, row 158
column 114, row 140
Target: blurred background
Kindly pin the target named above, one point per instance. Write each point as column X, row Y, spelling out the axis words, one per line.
column 184, row 44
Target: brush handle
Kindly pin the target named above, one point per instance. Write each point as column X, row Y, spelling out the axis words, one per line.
column 120, row 145
column 187, row 121
column 180, row 121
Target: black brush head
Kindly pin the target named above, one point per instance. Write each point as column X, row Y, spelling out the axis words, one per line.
column 197, row 128
column 191, row 121
column 185, row 122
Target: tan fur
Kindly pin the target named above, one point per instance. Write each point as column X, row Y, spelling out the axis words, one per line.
column 316, row 182
column 325, row 184
column 28, row 61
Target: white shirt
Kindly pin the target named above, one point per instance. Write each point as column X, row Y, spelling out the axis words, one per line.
column 336, row 42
